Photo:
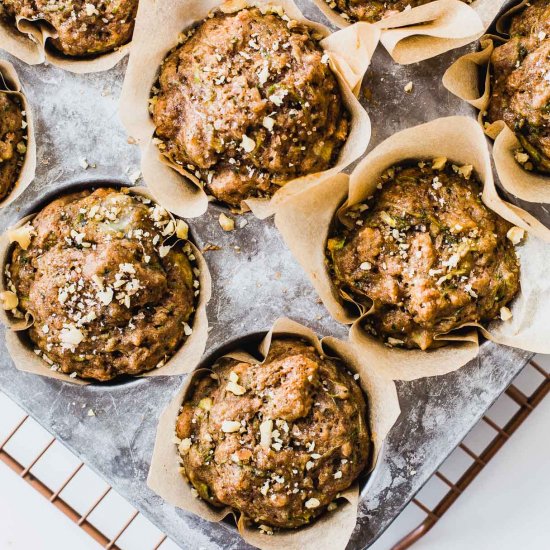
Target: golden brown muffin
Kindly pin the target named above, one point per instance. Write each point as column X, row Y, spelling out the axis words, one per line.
column 108, row 294
column 247, row 103
column 425, row 252
column 12, row 144
column 83, row 27
column 520, row 88
column 276, row 441
column 374, row 10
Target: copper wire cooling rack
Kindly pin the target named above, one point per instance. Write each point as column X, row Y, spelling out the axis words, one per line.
column 55, row 495
column 502, row 433
column 525, row 401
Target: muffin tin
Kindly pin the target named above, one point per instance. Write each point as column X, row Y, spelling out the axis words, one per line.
column 255, row 280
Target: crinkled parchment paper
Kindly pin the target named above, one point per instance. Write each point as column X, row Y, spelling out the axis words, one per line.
column 428, row 30
column 304, row 224
column 158, row 26
column 28, row 41
column 332, row 530
column 10, row 84
column 181, row 362
column 469, row 78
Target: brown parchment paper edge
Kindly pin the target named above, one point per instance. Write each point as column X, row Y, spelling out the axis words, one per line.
column 28, row 169
column 462, row 79
column 304, row 226
column 332, row 530
column 172, row 185
column 28, row 42
column 428, row 30
column 181, row 362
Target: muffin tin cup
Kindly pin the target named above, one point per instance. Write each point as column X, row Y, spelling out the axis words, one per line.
column 331, row 530
column 304, row 224
column 21, row 348
column 428, row 30
column 158, row 28
column 469, row 78
column 11, row 85
column 28, row 41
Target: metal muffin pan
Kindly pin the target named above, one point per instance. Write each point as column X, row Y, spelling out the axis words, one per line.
column 255, row 280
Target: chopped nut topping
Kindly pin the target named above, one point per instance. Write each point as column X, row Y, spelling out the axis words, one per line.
column 185, row 445
column 269, row 123
column 205, row 403
column 226, row 223
column 505, row 314
column 182, row 229
column 22, row 235
column 516, row 234
column 9, row 300
column 71, row 336
column 266, row 429
column 439, row 163
column 312, row 503
column 248, row 144
column 231, row 426
column 235, row 388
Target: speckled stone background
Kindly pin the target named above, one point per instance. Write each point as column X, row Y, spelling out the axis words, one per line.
column 76, row 118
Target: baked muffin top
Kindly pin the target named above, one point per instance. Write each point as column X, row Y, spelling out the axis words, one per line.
column 372, row 11
column 276, row 441
column 426, row 252
column 520, row 88
column 110, row 290
column 12, row 143
column 247, row 103
column 83, row 27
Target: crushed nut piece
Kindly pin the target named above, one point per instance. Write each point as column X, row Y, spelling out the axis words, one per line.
column 226, row 223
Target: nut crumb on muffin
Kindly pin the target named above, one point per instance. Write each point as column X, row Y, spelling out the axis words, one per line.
column 277, row 441
column 110, row 287
column 247, row 103
column 425, row 252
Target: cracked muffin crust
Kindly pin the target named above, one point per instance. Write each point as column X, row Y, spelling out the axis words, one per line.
column 12, row 142
column 83, row 27
column 247, row 103
column 110, row 289
column 372, row 11
column 520, row 87
column 276, row 441
column 425, row 253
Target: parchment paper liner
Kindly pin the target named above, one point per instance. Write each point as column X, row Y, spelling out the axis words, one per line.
column 333, row 529
column 181, row 362
column 9, row 77
column 304, row 225
column 463, row 80
column 157, row 28
column 29, row 43
column 429, row 30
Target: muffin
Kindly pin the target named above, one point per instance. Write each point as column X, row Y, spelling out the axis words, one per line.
column 277, row 441
column 83, row 28
column 247, row 103
column 372, row 11
column 109, row 287
column 520, row 88
column 12, row 143
column 425, row 253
